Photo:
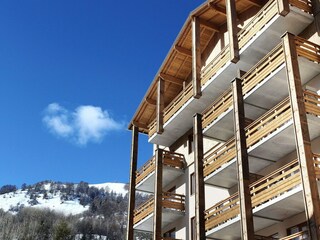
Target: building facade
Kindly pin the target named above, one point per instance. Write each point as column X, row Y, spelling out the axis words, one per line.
column 234, row 117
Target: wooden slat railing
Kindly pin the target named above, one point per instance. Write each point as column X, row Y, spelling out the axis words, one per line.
column 152, row 128
column 169, row 200
column 304, row 5
column 267, row 188
column 171, row 159
column 307, row 49
column 297, row 236
column 268, row 123
column 312, row 103
column 316, row 161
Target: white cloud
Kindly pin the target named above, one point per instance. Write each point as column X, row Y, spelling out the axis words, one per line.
column 84, row 124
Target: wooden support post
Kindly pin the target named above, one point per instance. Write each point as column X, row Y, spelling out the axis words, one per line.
column 316, row 14
column 198, row 164
column 302, row 137
column 247, row 229
column 283, row 7
column 232, row 30
column 160, row 105
column 132, row 186
column 157, row 213
column 196, row 58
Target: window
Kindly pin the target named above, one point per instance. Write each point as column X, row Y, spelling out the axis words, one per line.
column 298, row 228
column 193, row 228
column 192, row 184
column 190, row 144
column 170, row 234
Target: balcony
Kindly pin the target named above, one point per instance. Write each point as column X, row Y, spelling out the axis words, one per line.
column 173, row 167
column 173, row 207
column 264, row 85
column 269, row 138
column 274, row 197
column 256, row 39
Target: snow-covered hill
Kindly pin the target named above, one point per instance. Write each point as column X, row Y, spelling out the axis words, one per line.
column 65, row 198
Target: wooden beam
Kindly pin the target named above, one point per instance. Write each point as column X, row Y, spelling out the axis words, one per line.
column 283, row 7
column 140, row 125
column 183, row 51
column 171, row 79
column 132, row 186
column 196, row 58
column 160, row 105
column 151, row 101
column 247, row 229
column 232, row 30
column 157, row 214
column 217, row 9
column 302, row 137
column 256, row 3
column 198, row 164
column 316, row 15
column 209, row 25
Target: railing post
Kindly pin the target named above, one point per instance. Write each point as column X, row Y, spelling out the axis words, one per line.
column 198, row 165
column 283, row 7
column 196, row 57
column 302, row 137
column 157, row 214
column 160, row 105
column 232, row 30
column 247, row 229
column 132, row 187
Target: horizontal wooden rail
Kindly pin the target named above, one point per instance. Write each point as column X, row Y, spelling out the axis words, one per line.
column 316, row 161
column 304, row 5
column 299, row 235
column 307, row 49
column 169, row 200
column 312, row 103
column 152, row 128
column 171, row 159
column 264, row 190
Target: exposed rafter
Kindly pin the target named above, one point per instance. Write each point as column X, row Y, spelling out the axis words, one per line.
column 171, row 79
column 216, row 8
column 209, row 25
column 151, row 101
column 140, row 125
column 256, row 3
column 183, row 51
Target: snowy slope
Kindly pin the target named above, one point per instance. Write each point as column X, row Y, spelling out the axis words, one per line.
column 13, row 200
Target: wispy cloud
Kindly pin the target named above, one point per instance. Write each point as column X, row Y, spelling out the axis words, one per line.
column 83, row 125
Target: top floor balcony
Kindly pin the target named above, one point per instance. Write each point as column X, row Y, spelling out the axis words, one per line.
column 256, row 39
column 274, row 198
column 269, row 138
column 173, row 167
column 263, row 86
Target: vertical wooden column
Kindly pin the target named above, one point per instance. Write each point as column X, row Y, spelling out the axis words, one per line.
column 316, row 15
column 232, row 30
column 160, row 105
column 198, row 164
column 196, row 58
column 302, row 137
column 157, row 213
column 132, row 187
column 283, row 7
column 247, row 229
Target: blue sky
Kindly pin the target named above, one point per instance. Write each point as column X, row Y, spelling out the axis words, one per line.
column 72, row 74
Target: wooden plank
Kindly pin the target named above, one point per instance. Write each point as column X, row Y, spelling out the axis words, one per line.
column 198, row 163
column 283, row 7
column 160, row 105
column 151, row 101
column 157, row 217
column 183, row 51
column 132, row 186
column 171, row 79
column 196, row 58
column 232, row 30
column 256, row 3
column 247, row 229
column 302, row 137
column 217, row 9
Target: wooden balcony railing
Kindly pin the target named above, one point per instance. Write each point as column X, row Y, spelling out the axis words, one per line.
column 268, row 123
column 316, row 160
column 312, row 103
column 264, row 190
column 269, row 10
column 297, row 236
column 171, row 159
column 169, row 201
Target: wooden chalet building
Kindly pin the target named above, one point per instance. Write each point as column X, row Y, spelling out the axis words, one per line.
column 234, row 117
